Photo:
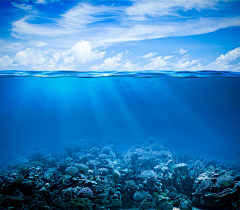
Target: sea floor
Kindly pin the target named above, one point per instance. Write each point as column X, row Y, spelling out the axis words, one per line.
column 93, row 175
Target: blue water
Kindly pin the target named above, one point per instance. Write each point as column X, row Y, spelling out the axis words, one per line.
column 196, row 113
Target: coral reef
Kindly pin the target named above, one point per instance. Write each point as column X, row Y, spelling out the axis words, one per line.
column 147, row 176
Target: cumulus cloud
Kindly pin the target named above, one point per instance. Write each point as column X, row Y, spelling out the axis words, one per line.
column 184, row 64
column 129, row 66
column 29, row 57
column 81, row 52
column 149, row 55
column 181, row 51
column 223, row 62
column 157, row 63
column 110, row 63
column 230, row 56
column 5, row 61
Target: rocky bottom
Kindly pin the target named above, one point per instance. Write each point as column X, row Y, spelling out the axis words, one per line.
column 89, row 175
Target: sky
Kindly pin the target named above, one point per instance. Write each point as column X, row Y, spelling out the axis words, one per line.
column 181, row 35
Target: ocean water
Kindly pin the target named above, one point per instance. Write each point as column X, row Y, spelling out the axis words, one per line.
column 195, row 114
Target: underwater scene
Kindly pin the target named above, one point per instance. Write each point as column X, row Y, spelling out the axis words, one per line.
column 119, row 105
column 120, row 140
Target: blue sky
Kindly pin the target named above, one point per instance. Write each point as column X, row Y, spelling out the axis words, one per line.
column 120, row 35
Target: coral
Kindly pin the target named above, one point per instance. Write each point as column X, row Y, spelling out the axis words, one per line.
column 224, row 181
column 95, row 150
column 164, row 194
column 81, row 203
column 116, row 174
column 171, row 166
column 49, row 174
column 197, row 168
column 71, row 170
column 156, row 195
column 140, row 195
column 106, row 150
column 202, row 184
column 149, row 174
column 85, row 192
column 144, row 177
column 18, row 161
column 82, row 168
column 40, row 154
column 102, row 156
column 181, row 168
column 19, row 178
column 103, row 171
column 185, row 204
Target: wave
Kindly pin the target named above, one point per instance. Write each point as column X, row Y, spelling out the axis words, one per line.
column 137, row 74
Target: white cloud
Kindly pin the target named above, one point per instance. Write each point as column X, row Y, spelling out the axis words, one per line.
column 184, row 65
column 29, row 57
column 157, row 63
column 25, row 7
column 84, row 21
column 128, row 66
column 41, row 44
column 23, row 27
column 82, row 52
column 80, row 15
column 230, row 56
column 40, row 1
column 73, row 21
column 110, row 63
column 222, row 63
column 140, row 9
column 5, row 61
column 45, row 1
column 149, row 55
column 15, row 46
column 137, row 32
column 22, row 6
column 181, row 51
